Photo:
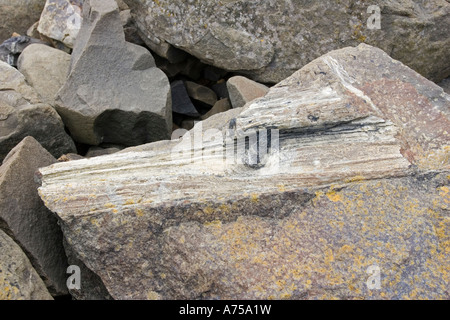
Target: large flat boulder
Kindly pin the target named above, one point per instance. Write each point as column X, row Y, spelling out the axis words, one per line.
column 23, row 113
column 334, row 185
column 269, row 40
column 114, row 93
column 25, row 218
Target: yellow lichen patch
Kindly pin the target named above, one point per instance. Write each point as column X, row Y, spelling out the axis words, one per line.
column 281, row 187
column 354, row 179
column 334, row 196
column 95, row 222
column 329, row 256
column 129, row 202
column 110, row 205
column 152, row 295
column 214, row 224
column 208, row 210
column 139, row 213
column 255, row 197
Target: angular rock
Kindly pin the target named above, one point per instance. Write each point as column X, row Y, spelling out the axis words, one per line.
column 114, row 92
column 18, row 16
column 270, row 40
column 181, row 103
column 25, row 218
column 61, row 20
column 45, row 69
column 220, row 106
column 11, row 49
column 354, row 177
column 201, row 93
column 22, row 114
column 18, row 279
column 243, row 90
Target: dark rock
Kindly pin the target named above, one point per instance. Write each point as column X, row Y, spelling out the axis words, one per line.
column 181, row 103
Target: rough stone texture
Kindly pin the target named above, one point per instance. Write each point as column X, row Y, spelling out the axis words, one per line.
column 114, row 92
column 61, row 20
column 45, row 69
column 22, row 114
column 243, row 90
column 18, row 279
column 11, row 49
column 25, row 218
column 220, row 106
column 18, row 16
column 359, row 177
column 269, row 40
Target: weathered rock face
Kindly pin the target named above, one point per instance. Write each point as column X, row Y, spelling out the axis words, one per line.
column 114, row 92
column 18, row 279
column 26, row 219
column 340, row 170
column 45, row 69
column 61, row 20
column 23, row 114
column 18, row 16
column 269, row 40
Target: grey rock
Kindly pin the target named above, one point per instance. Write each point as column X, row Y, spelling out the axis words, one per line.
column 181, row 103
column 201, row 93
column 11, row 49
column 269, row 40
column 219, row 107
column 61, row 20
column 25, row 218
column 357, row 179
column 45, row 69
column 243, row 90
column 114, row 92
column 18, row 16
column 23, row 114
column 18, row 279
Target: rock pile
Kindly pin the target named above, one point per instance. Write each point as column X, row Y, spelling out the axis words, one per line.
column 172, row 150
